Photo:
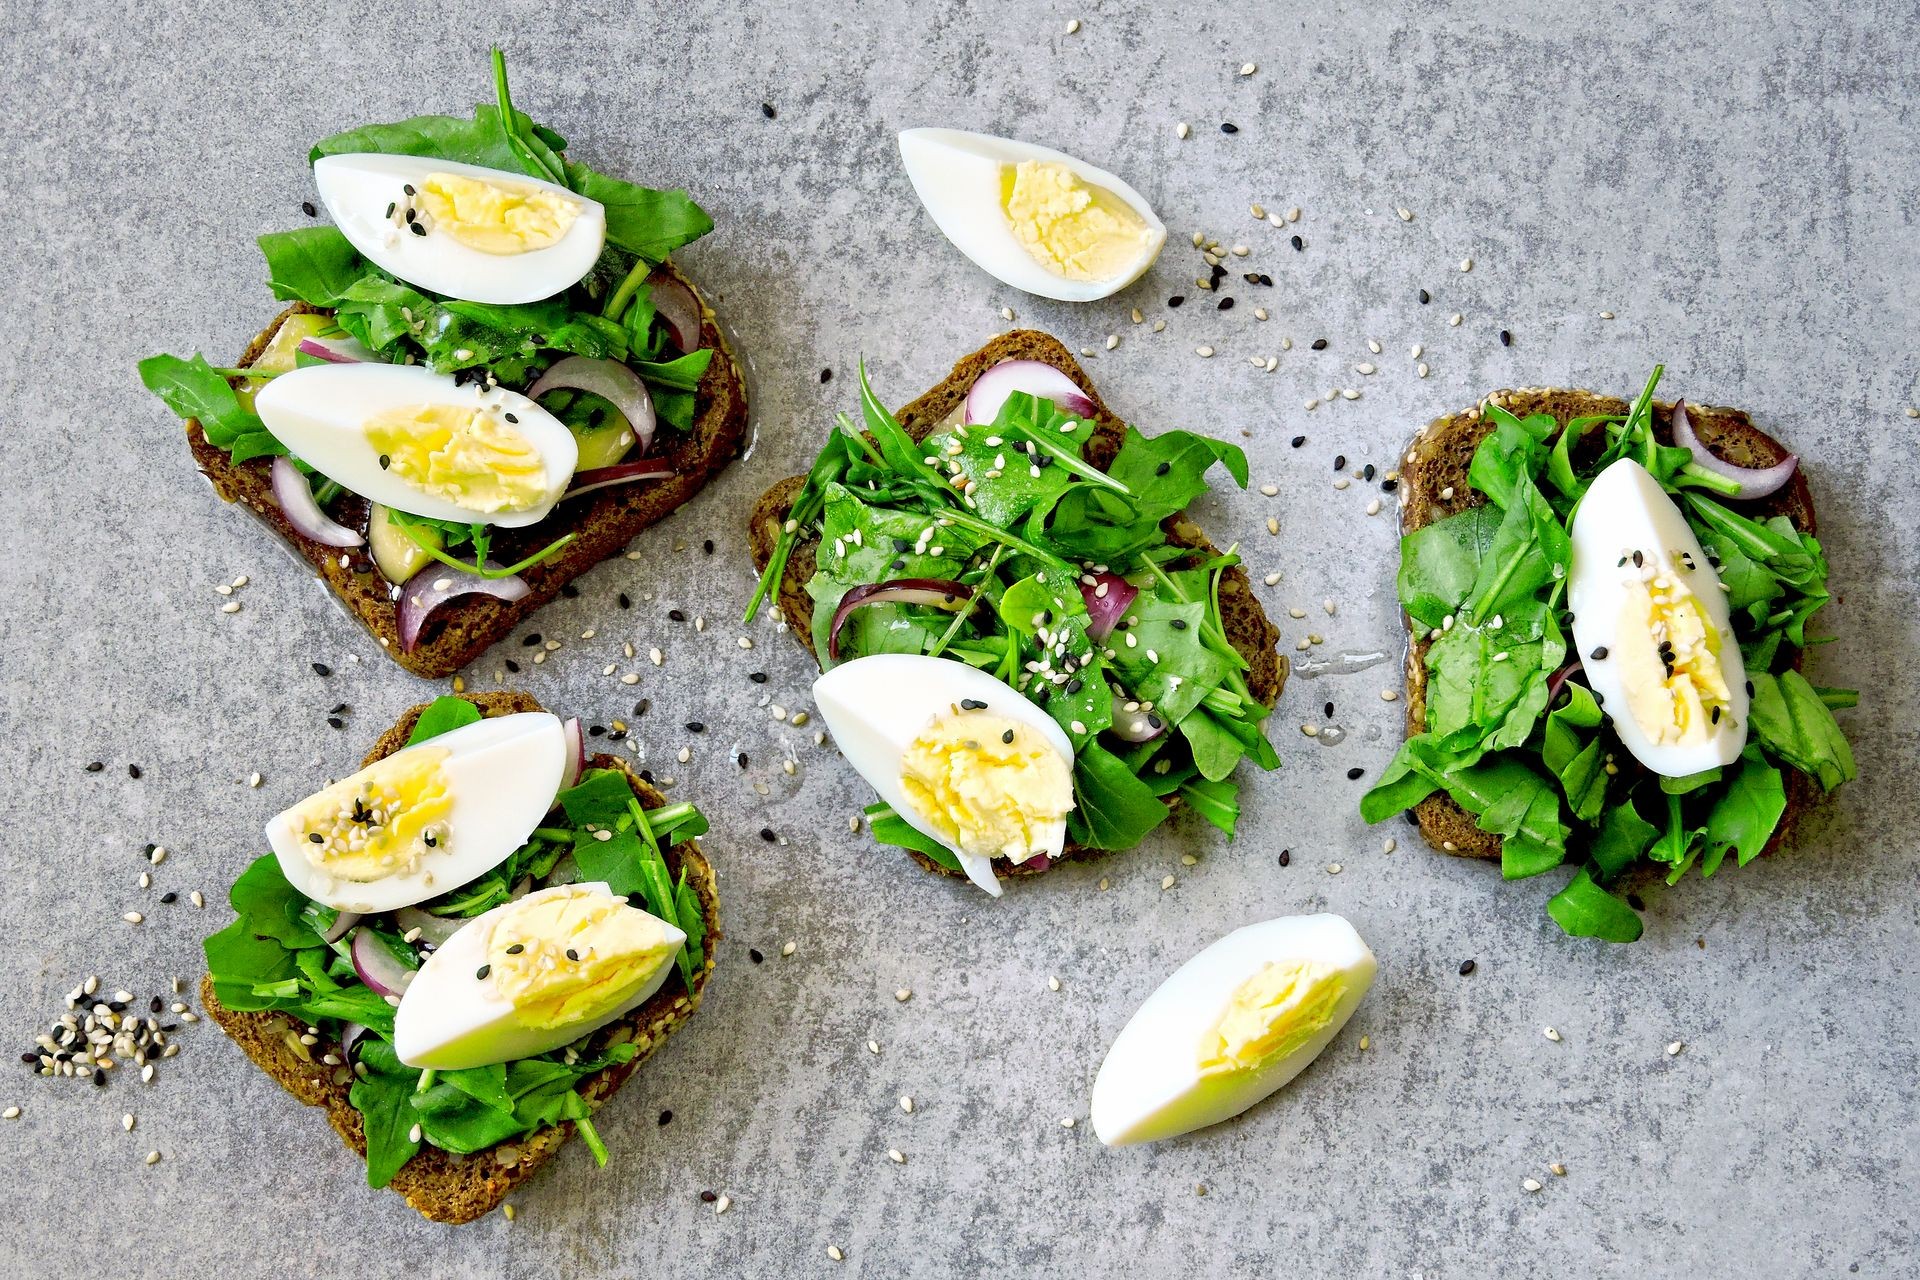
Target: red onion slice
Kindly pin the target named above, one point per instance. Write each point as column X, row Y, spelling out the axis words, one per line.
column 378, row 967
column 341, row 923
column 436, row 584
column 1559, row 678
column 338, row 351
column 295, row 496
column 677, row 308
column 433, row 928
column 939, row 593
column 611, row 381
column 576, row 754
column 619, row 473
column 991, row 389
column 1104, row 608
column 1754, row 482
column 350, row 1036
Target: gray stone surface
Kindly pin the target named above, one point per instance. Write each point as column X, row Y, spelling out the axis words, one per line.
column 1737, row 183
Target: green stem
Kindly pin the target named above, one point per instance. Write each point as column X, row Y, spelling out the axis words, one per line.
column 617, row 304
column 480, row 570
column 965, row 611
column 427, row 1078
column 251, row 373
column 510, row 122
column 559, row 835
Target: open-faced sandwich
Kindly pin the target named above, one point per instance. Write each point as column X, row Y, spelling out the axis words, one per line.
column 466, row 947
column 1027, row 649
column 1608, row 607
column 490, row 378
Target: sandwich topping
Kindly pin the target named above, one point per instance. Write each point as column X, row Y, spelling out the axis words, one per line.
column 477, row 915
column 491, row 332
column 1017, row 655
column 1612, row 642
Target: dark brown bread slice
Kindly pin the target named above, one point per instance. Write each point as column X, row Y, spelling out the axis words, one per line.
column 1248, row 627
column 605, row 521
column 1433, row 485
column 453, row 1188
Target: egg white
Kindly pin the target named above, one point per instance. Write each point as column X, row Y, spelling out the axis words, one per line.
column 1625, row 510
column 358, row 188
column 956, row 174
column 502, row 775
column 876, row 706
column 320, row 413
column 444, row 1004
column 1150, row 1086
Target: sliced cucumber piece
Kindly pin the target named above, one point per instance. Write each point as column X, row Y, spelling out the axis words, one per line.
column 394, row 550
column 282, row 350
column 606, row 444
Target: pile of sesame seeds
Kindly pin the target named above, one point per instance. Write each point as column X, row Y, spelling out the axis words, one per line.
column 102, row 1034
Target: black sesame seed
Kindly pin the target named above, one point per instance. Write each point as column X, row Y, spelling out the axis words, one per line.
column 897, row 564
column 133, row 771
column 1297, row 242
column 511, row 418
column 1715, row 717
column 99, row 1076
column 1074, row 686
column 1425, row 297
column 1388, row 486
column 1366, row 472
column 339, row 708
column 676, row 616
column 316, row 837
column 1163, row 468
column 573, row 955
column 1599, row 653
column 758, row 677
column 513, row 666
column 1226, row 304
column 766, row 109
column 1339, row 462
column 625, row 601
column 826, row 375
column 1506, row 338
column 570, row 591
column 766, row 833
column 666, row 1118
column 972, row 704
column 306, row 207
column 1176, row 299
column 1329, row 710
column 708, row 1197
column 391, row 206
column 1179, row 624
column 1319, row 344
column 408, row 188
column 1466, row 967
column 1297, row 441
column 95, row 766
column 753, row 954
column 1749, row 688
column 695, row 726
column 707, row 546
column 417, row 228
column 1636, row 902
column 531, row 640
column 741, row 759
column 516, row 948
column 1353, row 774
column 153, row 1005
column 486, row 969
column 1639, row 560
column 1286, row 856
column 169, row 898
column 1226, row 127
column 386, row 460
column 640, row 707
column 335, row 722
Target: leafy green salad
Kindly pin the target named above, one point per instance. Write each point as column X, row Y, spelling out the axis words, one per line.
column 284, row 954
column 1000, row 545
column 1516, row 733
column 624, row 309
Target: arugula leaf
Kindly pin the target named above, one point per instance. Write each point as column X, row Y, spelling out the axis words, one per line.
column 1623, row 839
column 1512, row 452
column 1744, row 817
column 271, row 907
column 384, row 1099
column 1113, row 808
column 315, row 265
column 1571, row 752
column 443, row 715
column 481, row 140
column 1585, row 910
column 1218, row 801
column 1166, row 472
column 1161, row 655
column 1792, row 721
column 192, row 389
column 1440, row 562
column 239, row 960
column 1215, row 751
column 641, row 220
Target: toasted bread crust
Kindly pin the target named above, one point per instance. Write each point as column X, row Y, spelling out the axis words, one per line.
column 1249, row 629
column 453, row 1188
column 1433, row 485
column 605, row 520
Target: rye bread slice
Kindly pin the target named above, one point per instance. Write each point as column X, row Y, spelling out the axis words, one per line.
column 1249, row 629
column 454, row 1188
column 605, row 521
column 1433, row 485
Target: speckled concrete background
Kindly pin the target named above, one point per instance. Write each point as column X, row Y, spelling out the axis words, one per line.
column 1738, row 184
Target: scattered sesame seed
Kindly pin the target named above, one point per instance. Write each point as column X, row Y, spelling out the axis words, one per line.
column 788, row 948
column 11, row 1113
column 721, row 1205
column 833, row 1251
column 1204, row 353
column 1552, row 1035
column 1166, row 883
column 133, row 917
column 896, row 1155
column 906, row 1104
column 1557, row 1169
column 1453, row 321
column 1334, row 868
column 1673, row 1050
column 1531, row 1184
column 1066, row 1122
column 873, row 1046
column 903, row 995
column 1248, row 68
column 1181, row 130
column 1053, row 983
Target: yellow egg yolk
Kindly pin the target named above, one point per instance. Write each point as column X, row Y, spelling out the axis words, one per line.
column 379, row 822
column 1669, row 655
column 561, row 958
column 1074, row 230
column 494, row 217
column 1271, row 1015
column 990, row 786
column 461, row 455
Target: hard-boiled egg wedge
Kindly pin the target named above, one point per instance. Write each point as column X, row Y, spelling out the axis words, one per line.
column 460, row 230
column 421, row 443
column 1032, row 217
column 532, row 976
column 957, row 753
column 426, row 819
column 1652, row 627
column 1230, row 1026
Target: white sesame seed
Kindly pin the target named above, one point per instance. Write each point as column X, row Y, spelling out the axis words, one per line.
column 1273, row 525
column 1608, row 315
column 197, row 899
column 1166, row 883
column 1334, row 868
column 896, row 1155
column 127, row 1122
column 1421, row 368
column 1006, row 313
column 630, row 678
column 1247, row 68
column 1137, row 315
column 1389, row 695
column 253, row 779
column 873, row 1046
column 903, row 995
column 1269, row 490
column 232, row 606
column 789, row 948
column 1365, row 368
column 1389, row 845
column 833, row 1251
column 906, row 1103
column 11, row 1113
column 655, row 657
column 1293, row 214
column 1159, row 326
column 1414, row 353
column 133, row 917
column 1113, row 340
column 745, row 642
column 1673, row 1050
column 1466, row 264
column 1073, row 26
column 1066, row 1122
column 1311, row 730
column 1552, row 1035
column 153, row 1157
column 1181, row 130
column 1349, row 393
column 1406, row 215
column 1531, row 1184
column 1454, row 320
column 1273, row 579
column 1241, row 251
column 240, row 581
column 721, row 1205
column 1053, row 983
column 1373, row 507
column 1203, row 352
column 223, row 589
